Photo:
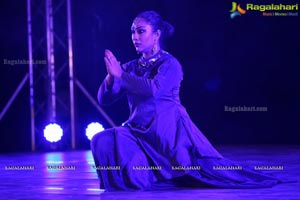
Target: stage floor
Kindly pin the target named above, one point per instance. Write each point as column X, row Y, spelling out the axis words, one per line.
column 35, row 176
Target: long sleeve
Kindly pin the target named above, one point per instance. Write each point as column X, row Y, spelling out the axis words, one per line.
column 109, row 92
column 168, row 76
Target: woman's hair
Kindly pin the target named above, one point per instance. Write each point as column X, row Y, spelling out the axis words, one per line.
column 157, row 23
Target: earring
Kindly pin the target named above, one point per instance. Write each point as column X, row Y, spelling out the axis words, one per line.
column 154, row 48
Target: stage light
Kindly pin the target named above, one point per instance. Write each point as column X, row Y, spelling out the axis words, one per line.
column 53, row 132
column 92, row 129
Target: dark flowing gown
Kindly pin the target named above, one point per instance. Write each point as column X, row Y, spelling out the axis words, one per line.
column 159, row 145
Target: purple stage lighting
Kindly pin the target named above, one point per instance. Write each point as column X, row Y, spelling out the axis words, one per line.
column 53, row 132
column 92, row 129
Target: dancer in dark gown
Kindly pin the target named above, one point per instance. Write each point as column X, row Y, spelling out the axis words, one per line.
column 159, row 144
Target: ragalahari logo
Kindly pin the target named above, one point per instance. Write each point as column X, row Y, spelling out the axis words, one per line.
column 236, row 10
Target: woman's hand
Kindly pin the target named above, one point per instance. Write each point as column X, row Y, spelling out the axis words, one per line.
column 112, row 64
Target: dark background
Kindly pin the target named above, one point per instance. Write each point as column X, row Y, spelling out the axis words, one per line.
column 250, row 60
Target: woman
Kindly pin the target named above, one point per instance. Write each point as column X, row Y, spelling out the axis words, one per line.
column 158, row 144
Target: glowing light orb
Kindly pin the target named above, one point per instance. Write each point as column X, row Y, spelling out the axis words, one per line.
column 53, row 132
column 92, row 129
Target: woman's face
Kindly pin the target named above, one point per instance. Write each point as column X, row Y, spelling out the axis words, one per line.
column 143, row 37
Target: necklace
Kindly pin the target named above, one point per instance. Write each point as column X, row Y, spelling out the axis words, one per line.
column 144, row 64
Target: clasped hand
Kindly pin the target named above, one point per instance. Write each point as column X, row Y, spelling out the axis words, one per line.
column 113, row 66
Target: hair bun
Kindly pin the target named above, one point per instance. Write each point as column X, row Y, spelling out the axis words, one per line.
column 168, row 29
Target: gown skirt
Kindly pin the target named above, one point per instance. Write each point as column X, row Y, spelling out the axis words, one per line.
column 170, row 154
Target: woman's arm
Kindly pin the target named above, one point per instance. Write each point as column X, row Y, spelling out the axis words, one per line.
column 169, row 76
column 110, row 90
